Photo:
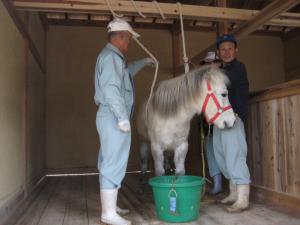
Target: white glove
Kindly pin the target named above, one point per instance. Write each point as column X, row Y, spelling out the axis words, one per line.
column 150, row 62
column 124, row 125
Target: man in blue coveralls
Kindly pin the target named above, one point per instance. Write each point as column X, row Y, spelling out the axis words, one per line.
column 114, row 96
column 229, row 144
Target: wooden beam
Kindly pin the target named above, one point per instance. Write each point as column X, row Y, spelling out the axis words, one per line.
column 275, row 92
column 24, row 32
column 272, row 10
column 193, row 12
column 269, row 12
column 158, row 26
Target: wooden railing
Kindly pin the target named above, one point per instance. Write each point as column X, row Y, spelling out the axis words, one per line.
column 273, row 136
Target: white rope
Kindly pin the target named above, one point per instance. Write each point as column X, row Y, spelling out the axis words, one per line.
column 112, row 11
column 160, row 10
column 155, row 74
column 185, row 58
column 202, row 146
column 202, row 156
column 138, row 10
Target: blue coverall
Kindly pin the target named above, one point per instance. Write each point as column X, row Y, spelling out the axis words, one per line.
column 114, row 96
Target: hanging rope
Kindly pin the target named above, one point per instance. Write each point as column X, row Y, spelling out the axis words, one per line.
column 138, row 10
column 202, row 138
column 159, row 9
column 156, row 70
column 115, row 15
column 185, row 58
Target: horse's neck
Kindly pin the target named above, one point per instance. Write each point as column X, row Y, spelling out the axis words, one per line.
column 190, row 112
column 196, row 107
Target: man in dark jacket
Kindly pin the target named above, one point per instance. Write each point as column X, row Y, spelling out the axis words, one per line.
column 230, row 147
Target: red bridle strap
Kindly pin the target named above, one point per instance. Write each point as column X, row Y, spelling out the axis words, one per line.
column 205, row 103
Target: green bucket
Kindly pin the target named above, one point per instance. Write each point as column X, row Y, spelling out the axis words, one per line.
column 177, row 198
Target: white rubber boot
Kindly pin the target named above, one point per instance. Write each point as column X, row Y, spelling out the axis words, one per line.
column 242, row 201
column 109, row 206
column 232, row 197
column 121, row 211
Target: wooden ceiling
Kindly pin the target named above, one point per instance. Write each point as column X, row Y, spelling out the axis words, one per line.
column 238, row 17
column 199, row 15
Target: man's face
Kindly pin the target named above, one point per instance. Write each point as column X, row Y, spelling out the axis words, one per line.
column 227, row 51
column 124, row 39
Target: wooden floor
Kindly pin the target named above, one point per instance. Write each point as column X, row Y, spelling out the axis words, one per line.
column 74, row 200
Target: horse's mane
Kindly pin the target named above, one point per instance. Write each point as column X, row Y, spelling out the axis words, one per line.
column 177, row 93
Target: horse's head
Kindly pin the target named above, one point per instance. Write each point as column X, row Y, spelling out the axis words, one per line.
column 215, row 103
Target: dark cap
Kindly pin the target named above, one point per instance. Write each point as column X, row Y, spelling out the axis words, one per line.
column 225, row 37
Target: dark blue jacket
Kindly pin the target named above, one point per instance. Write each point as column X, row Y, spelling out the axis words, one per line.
column 238, row 90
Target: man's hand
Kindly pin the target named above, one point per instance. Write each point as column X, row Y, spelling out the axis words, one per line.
column 124, row 125
column 150, row 62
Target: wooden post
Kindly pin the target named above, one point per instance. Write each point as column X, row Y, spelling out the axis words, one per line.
column 222, row 27
column 175, row 48
column 25, row 34
column 25, row 117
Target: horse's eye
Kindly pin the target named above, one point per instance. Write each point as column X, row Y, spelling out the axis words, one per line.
column 224, row 95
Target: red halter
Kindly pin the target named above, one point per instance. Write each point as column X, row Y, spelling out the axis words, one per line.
column 220, row 109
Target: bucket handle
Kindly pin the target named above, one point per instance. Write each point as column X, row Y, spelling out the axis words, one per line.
column 172, row 190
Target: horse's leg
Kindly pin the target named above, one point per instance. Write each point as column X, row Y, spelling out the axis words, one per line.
column 158, row 157
column 144, row 160
column 179, row 158
column 168, row 162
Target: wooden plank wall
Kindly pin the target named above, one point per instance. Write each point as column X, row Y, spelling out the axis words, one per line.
column 273, row 135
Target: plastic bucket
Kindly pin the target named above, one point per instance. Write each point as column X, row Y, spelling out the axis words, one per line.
column 177, row 199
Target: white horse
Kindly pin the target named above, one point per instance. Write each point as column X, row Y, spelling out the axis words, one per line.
column 166, row 124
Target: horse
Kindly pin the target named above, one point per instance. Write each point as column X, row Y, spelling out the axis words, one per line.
column 164, row 122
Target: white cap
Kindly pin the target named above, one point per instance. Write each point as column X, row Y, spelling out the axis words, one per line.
column 121, row 25
column 210, row 56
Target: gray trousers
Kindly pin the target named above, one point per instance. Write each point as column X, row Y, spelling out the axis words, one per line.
column 230, row 151
column 213, row 167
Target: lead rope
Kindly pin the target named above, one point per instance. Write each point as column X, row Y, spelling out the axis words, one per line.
column 207, row 201
column 151, row 55
column 156, row 61
column 155, row 74
column 202, row 156
column 202, row 138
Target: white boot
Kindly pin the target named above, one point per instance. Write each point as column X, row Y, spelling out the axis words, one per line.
column 232, row 197
column 109, row 205
column 120, row 210
column 242, row 202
